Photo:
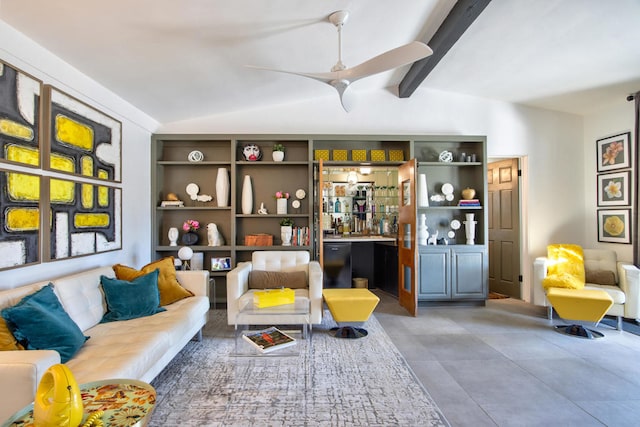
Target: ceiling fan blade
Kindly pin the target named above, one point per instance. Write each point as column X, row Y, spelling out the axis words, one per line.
column 389, row 60
column 321, row 77
column 345, row 97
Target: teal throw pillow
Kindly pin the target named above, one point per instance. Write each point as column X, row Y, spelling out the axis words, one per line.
column 39, row 322
column 130, row 300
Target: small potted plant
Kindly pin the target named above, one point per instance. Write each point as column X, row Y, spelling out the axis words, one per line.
column 286, row 231
column 278, row 152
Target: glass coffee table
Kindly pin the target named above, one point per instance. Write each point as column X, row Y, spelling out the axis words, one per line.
column 298, row 313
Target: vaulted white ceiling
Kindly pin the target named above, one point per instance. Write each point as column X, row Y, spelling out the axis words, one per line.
column 180, row 59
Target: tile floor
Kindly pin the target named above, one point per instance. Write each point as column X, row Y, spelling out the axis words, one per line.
column 504, row 365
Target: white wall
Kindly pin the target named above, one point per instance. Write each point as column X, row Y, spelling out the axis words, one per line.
column 137, row 128
column 614, row 120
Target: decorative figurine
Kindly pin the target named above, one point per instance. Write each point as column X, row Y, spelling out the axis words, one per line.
column 213, row 235
column 252, row 152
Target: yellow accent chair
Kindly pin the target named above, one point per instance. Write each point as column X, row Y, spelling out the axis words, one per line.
column 585, row 285
column 350, row 308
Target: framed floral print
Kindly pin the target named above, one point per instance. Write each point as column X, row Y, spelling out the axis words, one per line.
column 614, row 152
column 614, row 226
column 614, row 189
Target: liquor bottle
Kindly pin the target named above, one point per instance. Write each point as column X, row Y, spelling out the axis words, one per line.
column 337, row 206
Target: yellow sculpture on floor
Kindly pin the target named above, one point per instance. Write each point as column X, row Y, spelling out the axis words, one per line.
column 58, row 402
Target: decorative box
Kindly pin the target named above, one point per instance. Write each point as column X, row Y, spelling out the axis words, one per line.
column 359, row 155
column 273, row 297
column 378, row 156
column 321, row 154
column 340, row 155
column 396, row 155
column 258, row 240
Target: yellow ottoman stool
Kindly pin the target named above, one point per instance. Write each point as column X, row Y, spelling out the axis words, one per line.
column 589, row 305
column 350, row 308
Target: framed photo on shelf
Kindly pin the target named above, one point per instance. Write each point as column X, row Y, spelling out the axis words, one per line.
column 614, row 189
column 614, row 152
column 220, row 264
column 614, row 225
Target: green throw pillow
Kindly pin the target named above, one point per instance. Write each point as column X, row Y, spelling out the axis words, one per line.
column 130, row 300
column 39, row 322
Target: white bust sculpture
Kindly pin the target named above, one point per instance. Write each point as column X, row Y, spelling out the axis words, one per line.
column 213, row 235
column 173, row 236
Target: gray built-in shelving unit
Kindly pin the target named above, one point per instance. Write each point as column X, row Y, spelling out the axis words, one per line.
column 455, row 272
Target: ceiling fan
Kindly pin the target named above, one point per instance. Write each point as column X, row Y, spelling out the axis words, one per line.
column 341, row 77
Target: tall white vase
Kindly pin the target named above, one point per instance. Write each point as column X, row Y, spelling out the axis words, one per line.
column 423, row 194
column 423, row 234
column 470, row 229
column 247, row 195
column 222, row 187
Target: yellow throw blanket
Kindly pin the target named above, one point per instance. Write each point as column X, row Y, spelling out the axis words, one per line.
column 566, row 267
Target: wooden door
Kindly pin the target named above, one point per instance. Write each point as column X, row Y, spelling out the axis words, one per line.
column 504, row 228
column 407, row 242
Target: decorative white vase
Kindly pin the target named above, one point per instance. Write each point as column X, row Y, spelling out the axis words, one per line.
column 470, row 229
column 281, row 206
column 222, row 187
column 423, row 232
column 247, row 195
column 423, row 194
column 173, row 236
column 286, row 232
column 278, row 156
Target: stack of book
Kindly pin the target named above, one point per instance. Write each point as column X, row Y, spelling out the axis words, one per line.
column 470, row 202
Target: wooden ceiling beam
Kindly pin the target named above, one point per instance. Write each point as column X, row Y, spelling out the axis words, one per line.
column 461, row 16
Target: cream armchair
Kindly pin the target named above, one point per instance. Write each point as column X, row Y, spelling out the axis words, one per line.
column 621, row 280
column 239, row 294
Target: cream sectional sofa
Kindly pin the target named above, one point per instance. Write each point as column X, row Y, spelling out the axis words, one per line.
column 137, row 348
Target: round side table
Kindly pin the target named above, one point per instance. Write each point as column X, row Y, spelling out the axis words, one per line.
column 126, row 403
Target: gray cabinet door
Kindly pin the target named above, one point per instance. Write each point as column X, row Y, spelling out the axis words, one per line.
column 468, row 272
column 434, row 274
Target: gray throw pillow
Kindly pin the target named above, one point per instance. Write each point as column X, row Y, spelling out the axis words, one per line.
column 259, row 279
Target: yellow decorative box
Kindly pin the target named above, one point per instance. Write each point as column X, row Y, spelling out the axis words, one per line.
column 273, row 297
column 340, row 155
column 359, row 155
column 396, row 155
column 321, row 154
column 378, row 156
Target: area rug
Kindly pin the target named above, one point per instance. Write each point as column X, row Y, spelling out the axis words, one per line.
column 331, row 382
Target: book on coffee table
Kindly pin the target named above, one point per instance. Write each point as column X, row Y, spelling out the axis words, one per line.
column 268, row 340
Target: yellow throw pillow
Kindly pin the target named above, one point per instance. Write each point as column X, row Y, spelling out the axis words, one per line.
column 562, row 280
column 565, row 258
column 7, row 340
column 168, row 285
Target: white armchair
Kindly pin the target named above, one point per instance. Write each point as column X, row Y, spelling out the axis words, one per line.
column 239, row 294
column 624, row 287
